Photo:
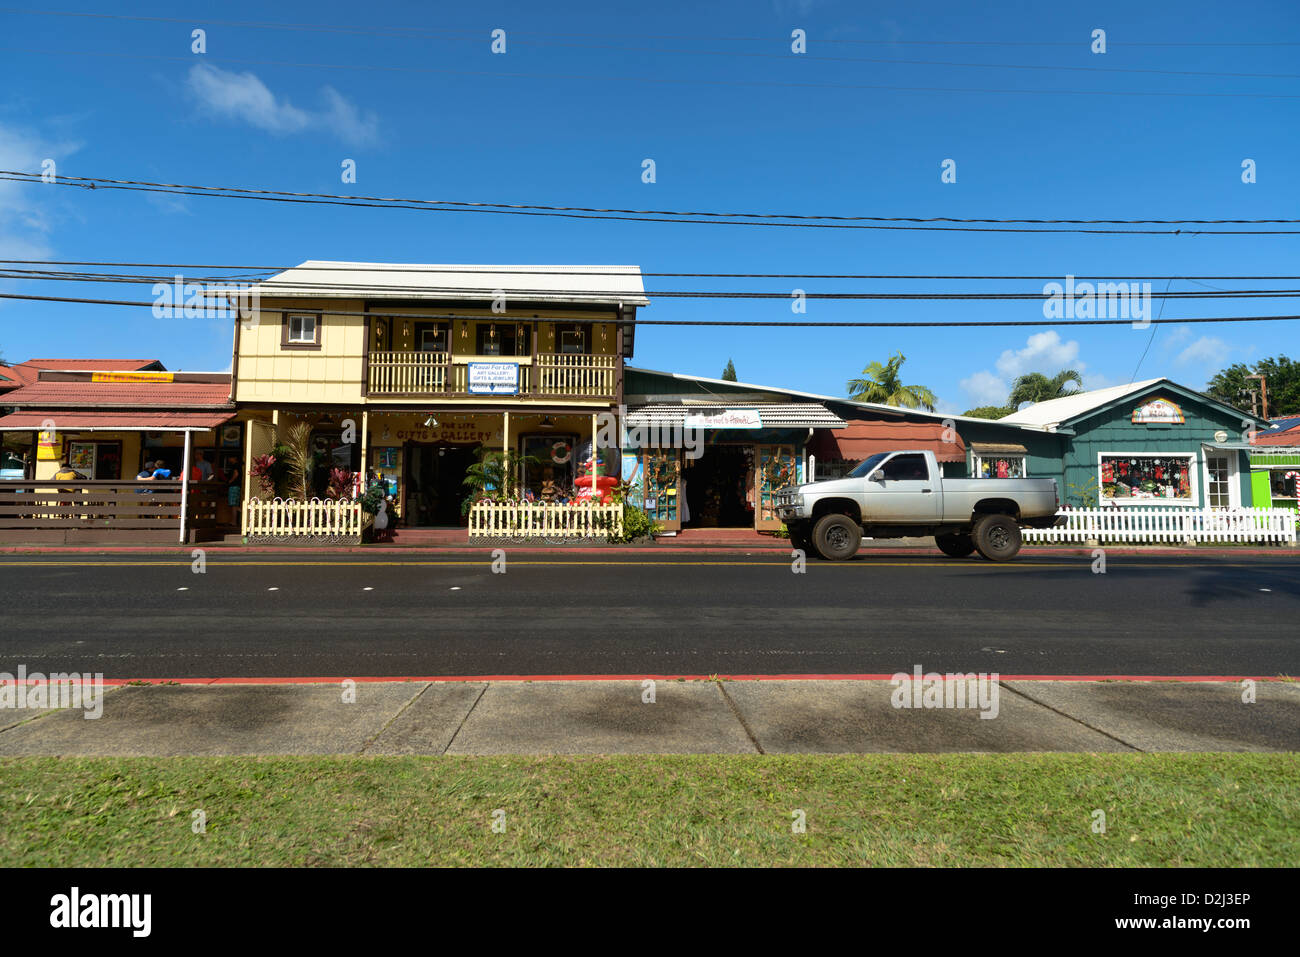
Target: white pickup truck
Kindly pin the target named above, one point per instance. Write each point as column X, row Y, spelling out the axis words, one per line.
column 904, row 494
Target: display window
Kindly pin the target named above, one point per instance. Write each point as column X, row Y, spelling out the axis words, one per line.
column 548, row 463
column 1128, row 478
column 999, row 466
column 1282, row 482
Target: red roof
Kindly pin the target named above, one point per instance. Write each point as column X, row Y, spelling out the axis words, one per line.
column 66, row 421
column 861, row 439
column 25, row 373
column 1290, row 437
column 128, row 395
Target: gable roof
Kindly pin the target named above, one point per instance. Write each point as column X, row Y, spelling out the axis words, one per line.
column 1058, row 412
column 318, row 279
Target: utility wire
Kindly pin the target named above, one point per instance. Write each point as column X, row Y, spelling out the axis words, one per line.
column 571, row 212
column 560, row 271
column 216, row 303
column 269, row 288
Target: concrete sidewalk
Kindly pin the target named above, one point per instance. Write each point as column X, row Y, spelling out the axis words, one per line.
column 614, row 717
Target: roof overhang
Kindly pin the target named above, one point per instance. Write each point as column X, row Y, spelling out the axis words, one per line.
column 32, row 421
column 771, row 415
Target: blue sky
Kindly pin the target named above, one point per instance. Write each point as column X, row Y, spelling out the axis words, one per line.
column 128, row 99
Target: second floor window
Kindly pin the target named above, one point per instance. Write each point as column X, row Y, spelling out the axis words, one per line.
column 302, row 329
column 503, row 339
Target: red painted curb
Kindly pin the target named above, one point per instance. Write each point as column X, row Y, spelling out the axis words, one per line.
column 656, row 677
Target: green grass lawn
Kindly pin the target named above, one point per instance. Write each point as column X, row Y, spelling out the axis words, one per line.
column 882, row 810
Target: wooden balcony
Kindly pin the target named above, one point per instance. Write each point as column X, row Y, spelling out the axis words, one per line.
column 442, row 373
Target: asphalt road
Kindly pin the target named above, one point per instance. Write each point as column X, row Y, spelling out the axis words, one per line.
column 274, row 616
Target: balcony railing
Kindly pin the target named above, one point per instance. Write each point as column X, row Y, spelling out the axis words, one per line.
column 441, row 373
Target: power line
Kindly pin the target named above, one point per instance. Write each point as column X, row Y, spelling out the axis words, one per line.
column 805, row 221
column 523, row 271
column 269, row 288
column 603, row 78
column 856, row 324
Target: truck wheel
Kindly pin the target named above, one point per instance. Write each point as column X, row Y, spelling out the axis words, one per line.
column 955, row 545
column 997, row 537
column 837, row 537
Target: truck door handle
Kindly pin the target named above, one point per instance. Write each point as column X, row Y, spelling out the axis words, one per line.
column 926, row 491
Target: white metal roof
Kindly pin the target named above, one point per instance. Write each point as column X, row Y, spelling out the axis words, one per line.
column 773, row 415
column 1056, row 411
column 316, row 279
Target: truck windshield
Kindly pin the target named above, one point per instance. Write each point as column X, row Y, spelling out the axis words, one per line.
column 867, row 467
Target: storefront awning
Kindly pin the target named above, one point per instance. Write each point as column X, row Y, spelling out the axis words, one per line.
column 776, row 415
column 998, row 448
column 66, row 420
column 861, row 439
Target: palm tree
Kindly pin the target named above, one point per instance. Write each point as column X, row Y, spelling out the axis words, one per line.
column 1036, row 387
column 881, row 383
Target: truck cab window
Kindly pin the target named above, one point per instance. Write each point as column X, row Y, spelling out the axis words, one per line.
column 909, row 468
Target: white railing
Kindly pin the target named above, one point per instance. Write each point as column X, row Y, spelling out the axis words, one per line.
column 406, row 373
column 545, row 520
column 1173, row 525
column 286, row 518
column 563, row 374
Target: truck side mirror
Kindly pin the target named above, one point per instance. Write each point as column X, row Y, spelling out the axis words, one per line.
column 878, row 475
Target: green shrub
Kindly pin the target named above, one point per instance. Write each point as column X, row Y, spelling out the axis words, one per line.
column 637, row 524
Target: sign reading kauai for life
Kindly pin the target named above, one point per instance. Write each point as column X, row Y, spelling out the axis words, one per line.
column 494, row 378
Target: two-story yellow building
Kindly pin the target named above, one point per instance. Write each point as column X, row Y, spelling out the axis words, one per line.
column 404, row 370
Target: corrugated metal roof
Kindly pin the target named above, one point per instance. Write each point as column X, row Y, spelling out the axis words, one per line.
column 319, row 279
column 782, row 415
column 83, row 394
column 66, row 421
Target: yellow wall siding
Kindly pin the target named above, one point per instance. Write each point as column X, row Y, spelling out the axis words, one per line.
column 267, row 372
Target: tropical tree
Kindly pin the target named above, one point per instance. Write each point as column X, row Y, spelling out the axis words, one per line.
column 1282, row 375
column 729, row 373
column 989, row 411
column 882, row 384
column 298, row 459
column 1036, row 387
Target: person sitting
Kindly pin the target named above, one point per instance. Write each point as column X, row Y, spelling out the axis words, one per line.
column 67, row 473
column 200, row 470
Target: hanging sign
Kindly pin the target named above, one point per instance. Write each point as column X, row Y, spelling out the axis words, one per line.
column 727, row 419
column 1158, row 412
column 494, row 378
column 132, row 377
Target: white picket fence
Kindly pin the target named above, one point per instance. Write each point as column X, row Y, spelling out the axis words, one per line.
column 1173, row 525
column 286, row 518
column 545, row 520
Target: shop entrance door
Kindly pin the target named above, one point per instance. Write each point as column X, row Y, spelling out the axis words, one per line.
column 719, row 488
column 777, row 467
column 435, row 477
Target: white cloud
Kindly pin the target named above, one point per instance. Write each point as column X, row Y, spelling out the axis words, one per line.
column 244, row 97
column 984, row 388
column 1043, row 352
column 27, row 210
column 1207, row 349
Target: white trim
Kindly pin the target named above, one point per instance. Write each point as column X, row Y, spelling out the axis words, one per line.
column 1193, row 475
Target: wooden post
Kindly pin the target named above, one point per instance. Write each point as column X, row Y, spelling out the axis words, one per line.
column 595, row 455
column 185, row 483
column 247, row 478
column 365, row 469
column 505, row 453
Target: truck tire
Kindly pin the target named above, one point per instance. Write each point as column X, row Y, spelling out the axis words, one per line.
column 837, row 537
column 997, row 537
column 955, row 545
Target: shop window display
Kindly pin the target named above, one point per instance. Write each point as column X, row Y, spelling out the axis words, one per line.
column 1131, row 478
